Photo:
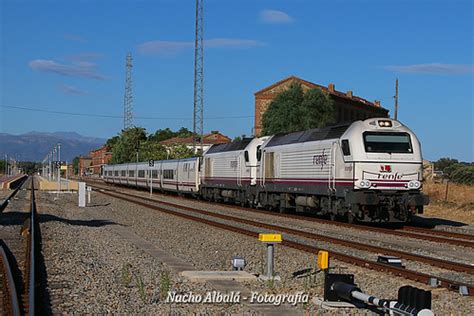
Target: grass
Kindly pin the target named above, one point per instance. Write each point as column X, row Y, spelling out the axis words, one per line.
column 126, row 275
column 165, row 284
column 459, row 205
column 141, row 287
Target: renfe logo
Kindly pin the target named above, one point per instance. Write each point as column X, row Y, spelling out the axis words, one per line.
column 391, row 176
column 385, row 168
column 321, row 159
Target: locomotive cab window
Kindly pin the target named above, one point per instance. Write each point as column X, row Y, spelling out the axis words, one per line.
column 346, row 150
column 259, row 153
column 387, row 142
column 246, row 156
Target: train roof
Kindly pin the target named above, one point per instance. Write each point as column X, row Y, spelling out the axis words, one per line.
column 232, row 146
column 314, row 134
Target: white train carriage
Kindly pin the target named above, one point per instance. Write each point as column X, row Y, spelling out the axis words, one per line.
column 369, row 170
column 180, row 175
column 230, row 170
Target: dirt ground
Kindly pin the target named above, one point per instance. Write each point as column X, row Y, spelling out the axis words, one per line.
column 458, row 206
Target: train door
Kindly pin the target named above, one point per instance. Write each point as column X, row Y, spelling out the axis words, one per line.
column 332, row 169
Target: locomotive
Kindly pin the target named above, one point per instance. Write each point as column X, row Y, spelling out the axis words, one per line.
column 366, row 171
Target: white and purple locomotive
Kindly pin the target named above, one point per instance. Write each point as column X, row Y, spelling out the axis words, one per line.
column 369, row 171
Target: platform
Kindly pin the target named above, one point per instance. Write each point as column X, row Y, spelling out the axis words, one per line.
column 45, row 184
column 7, row 181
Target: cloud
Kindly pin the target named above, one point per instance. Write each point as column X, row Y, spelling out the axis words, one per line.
column 80, row 69
column 275, row 17
column 75, row 38
column 67, row 89
column 173, row 47
column 434, row 68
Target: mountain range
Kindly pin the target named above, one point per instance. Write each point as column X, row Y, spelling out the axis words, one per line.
column 34, row 146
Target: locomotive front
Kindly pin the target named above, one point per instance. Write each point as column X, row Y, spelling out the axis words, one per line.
column 387, row 171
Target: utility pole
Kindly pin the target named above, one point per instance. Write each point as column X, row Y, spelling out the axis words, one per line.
column 59, row 168
column 128, row 97
column 396, row 99
column 198, row 118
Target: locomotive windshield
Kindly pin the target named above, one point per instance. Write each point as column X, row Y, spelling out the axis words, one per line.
column 387, row 142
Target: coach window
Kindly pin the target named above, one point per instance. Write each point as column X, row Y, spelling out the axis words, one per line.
column 141, row 173
column 346, row 150
column 123, row 173
column 131, row 173
column 168, row 174
column 116, row 173
column 154, row 174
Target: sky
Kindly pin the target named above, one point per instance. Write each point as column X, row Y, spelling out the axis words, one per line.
column 69, row 56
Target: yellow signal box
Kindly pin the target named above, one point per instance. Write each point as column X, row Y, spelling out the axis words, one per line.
column 273, row 238
column 323, row 260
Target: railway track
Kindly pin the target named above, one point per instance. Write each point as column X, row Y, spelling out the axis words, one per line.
column 459, row 267
column 433, row 235
column 12, row 302
column 11, row 196
column 409, row 274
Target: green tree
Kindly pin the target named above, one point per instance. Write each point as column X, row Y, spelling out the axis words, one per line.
column 183, row 132
column 179, row 151
column 295, row 110
column 75, row 164
column 111, row 142
column 444, row 163
column 126, row 147
column 161, row 135
column 463, row 174
column 152, row 150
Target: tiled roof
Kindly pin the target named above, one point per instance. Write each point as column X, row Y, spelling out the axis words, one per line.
column 334, row 92
column 209, row 139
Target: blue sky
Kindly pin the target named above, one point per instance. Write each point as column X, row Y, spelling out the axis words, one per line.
column 69, row 56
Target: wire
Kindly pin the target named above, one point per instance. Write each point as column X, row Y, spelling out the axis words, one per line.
column 120, row 116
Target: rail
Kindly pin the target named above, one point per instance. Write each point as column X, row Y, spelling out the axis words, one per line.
column 406, row 273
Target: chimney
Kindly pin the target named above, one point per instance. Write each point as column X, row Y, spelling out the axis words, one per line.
column 331, row 87
column 377, row 103
column 349, row 94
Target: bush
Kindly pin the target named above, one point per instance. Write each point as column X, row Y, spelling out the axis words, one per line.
column 463, row 174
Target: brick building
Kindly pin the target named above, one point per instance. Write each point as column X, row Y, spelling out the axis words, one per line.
column 100, row 157
column 84, row 165
column 208, row 140
column 348, row 106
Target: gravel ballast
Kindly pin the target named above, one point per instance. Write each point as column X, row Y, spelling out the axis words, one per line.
column 90, row 270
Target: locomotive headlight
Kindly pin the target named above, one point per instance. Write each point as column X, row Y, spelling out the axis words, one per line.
column 364, row 184
column 414, row 184
column 385, row 123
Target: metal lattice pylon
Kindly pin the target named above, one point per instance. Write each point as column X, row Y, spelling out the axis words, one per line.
column 198, row 118
column 128, row 97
